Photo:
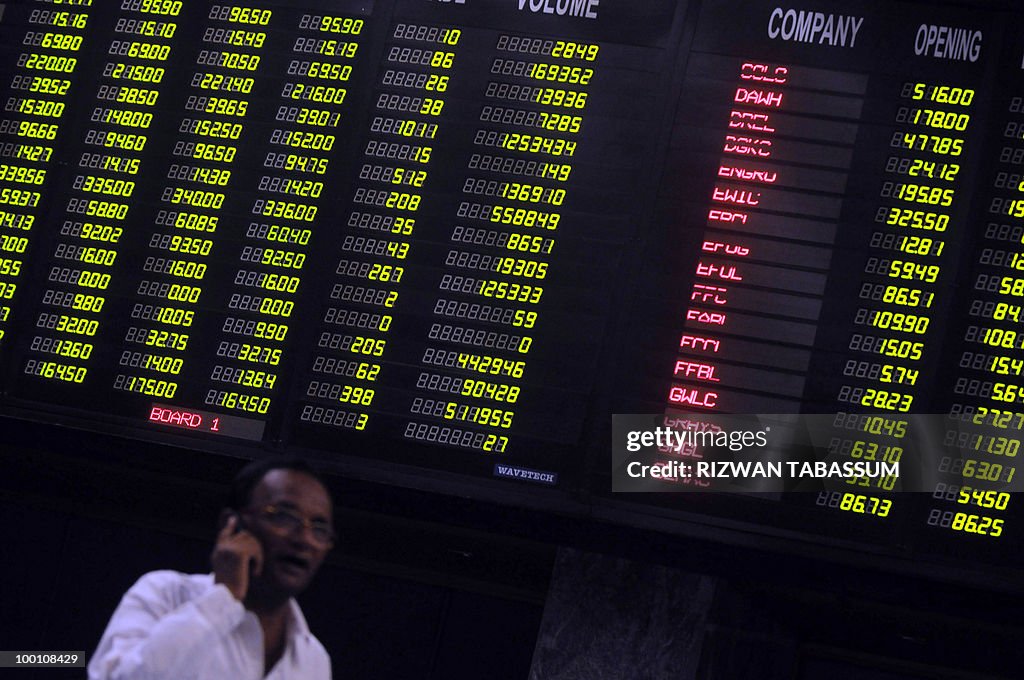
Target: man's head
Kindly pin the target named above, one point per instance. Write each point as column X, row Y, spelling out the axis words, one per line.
column 286, row 506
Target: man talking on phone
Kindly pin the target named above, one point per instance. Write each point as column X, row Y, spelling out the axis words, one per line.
column 240, row 622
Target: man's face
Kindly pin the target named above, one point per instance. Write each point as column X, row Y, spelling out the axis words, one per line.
column 291, row 557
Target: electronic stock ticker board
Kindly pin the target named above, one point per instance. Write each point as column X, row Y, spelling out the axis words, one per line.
column 459, row 235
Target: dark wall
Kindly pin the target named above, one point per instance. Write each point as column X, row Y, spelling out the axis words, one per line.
column 758, row 630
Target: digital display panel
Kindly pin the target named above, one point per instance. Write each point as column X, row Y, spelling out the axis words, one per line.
column 831, row 229
column 459, row 235
column 284, row 221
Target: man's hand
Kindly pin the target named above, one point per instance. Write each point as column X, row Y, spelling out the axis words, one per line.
column 236, row 553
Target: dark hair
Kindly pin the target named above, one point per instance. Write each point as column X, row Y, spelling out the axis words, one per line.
column 252, row 474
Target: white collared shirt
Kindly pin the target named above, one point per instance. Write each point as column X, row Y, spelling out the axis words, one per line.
column 174, row 626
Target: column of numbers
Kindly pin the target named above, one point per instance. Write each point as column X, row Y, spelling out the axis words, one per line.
column 906, row 264
column 309, row 121
column 177, row 260
column 505, row 234
column 404, row 128
column 984, row 445
column 107, row 178
column 49, row 53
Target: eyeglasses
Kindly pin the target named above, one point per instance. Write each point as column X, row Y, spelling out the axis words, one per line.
column 286, row 521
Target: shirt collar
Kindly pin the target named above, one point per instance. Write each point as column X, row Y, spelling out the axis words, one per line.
column 297, row 635
column 297, row 626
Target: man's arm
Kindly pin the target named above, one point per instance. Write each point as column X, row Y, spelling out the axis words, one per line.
column 158, row 633
column 153, row 636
